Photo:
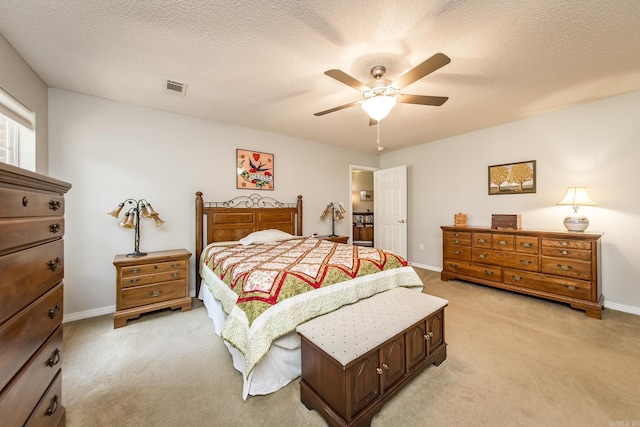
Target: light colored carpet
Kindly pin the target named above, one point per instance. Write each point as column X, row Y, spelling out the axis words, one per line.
column 512, row 360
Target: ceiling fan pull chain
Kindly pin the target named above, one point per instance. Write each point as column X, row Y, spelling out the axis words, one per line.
column 378, row 140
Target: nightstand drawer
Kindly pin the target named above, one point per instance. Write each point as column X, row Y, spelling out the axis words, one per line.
column 167, row 276
column 138, row 270
column 149, row 294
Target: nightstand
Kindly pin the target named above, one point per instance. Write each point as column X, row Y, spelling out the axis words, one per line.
column 152, row 282
column 336, row 239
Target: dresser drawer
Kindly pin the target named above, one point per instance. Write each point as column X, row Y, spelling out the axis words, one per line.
column 28, row 274
column 566, row 243
column 503, row 242
column 167, row 276
column 23, row 334
column 458, row 241
column 482, row 240
column 23, row 393
column 49, row 411
column 161, row 267
column 506, row 259
column 543, row 282
column 457, row 235
column 149, row 294
column 487, row 272
column 462, row 253
column 580, row 254
column 26, row 232
column 20, row 203
column 527, row 244
column 567, row 267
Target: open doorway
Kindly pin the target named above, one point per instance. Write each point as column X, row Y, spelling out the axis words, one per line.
column 362, row 206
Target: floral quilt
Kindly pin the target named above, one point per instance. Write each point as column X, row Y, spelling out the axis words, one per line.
column 266, row 289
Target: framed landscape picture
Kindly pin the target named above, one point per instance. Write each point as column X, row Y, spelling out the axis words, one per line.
column 513, row 178
column 254, row 170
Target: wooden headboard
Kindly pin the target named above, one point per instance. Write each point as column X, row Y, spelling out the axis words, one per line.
column 236, row 218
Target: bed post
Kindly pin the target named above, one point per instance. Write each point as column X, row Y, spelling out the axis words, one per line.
column 199, row 231
column 299, row 226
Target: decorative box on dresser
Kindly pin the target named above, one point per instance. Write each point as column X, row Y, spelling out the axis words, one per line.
column 152, row 282
column 561, row 266
column 31, row 297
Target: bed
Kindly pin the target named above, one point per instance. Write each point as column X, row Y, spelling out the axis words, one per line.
column 259, row 278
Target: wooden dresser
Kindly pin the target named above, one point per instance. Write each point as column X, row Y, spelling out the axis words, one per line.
column 152, row 282
column 560, row 266
column 31, row 297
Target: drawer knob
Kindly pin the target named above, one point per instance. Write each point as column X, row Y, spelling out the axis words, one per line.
column 379, row 371
column 385, row 366
column 53, row 406
column 457, row 234
column 525, row 262
column 54, row 228
column 526, row 245
column 55, row 263
column 54, row 205
column 571, row 288
column 482, row 241
column 53, row 312
column 428, row 336
column 488, row 272
column 155, row 293
column 54, row 359
column 482, row 256
column 134, row 270
column 502, row 242
column 456, row 252
column 516, row 278
column 564, row 267
column 25, row 201
column 457, row 242
column 136, row 280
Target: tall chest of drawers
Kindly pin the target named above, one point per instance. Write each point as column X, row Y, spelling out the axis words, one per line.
column 561, row 266
column 31, row 297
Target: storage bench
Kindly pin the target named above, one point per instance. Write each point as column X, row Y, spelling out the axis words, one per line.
column 356, row 358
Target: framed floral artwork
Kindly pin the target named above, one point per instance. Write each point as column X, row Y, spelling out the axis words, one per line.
column 254, row 170
column 513, row 178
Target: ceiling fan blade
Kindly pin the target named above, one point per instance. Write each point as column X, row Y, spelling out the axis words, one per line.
column 345, row 78
column 342, row 107
column 437, row 61
column 423, row 99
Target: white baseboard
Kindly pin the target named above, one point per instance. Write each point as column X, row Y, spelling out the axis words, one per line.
column 70, row 317
column 426, row 267
column 621, row 307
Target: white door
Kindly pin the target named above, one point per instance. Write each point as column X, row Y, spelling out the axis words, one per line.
column 390, row 209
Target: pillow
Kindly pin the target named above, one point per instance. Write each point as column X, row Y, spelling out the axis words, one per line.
column 266, row 236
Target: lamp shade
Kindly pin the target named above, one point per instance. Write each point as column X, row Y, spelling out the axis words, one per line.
column 378, row 107
column 577, row 196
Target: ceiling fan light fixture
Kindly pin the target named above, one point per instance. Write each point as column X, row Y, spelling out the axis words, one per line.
column 378, row 107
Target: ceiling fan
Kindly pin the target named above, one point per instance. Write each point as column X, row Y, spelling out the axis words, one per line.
column 380, row 95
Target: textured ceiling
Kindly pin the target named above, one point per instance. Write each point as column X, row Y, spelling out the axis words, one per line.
column 260, row 64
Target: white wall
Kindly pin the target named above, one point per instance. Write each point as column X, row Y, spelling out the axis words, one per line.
column 595, row 145
column 111, row 151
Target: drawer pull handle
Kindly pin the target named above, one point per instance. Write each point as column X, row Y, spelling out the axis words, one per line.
column 55, row 263
column 525, row 262
column 453, row 265
column 563, row 243
column 155, row 293
column 134, row 270
column 502, row 242
column 176, row 265
column 571, row 288
column 488, row 272
column 526, row 245
column 54, row 205
column 564, row 267
column 379, row 371
column 457, row 242
column 53, row 406
column 482, row 241
column 563, row 252
column 175, row 275
column 54, row 228
column 136, row 280
column 516, row 278
column 53, row 312
column 456, row 252
column 54, row 359
column 385, row 366
column 428, row 336
column 482, row 256
column 456, row 234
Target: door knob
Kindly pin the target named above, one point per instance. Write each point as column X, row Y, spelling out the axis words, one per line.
column 402, row 221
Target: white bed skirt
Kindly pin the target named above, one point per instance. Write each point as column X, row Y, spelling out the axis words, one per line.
column 278, row 367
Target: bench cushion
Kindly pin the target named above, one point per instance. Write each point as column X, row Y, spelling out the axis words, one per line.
column 353, row 330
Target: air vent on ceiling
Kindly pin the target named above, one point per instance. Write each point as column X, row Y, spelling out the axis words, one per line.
column 178, row 88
